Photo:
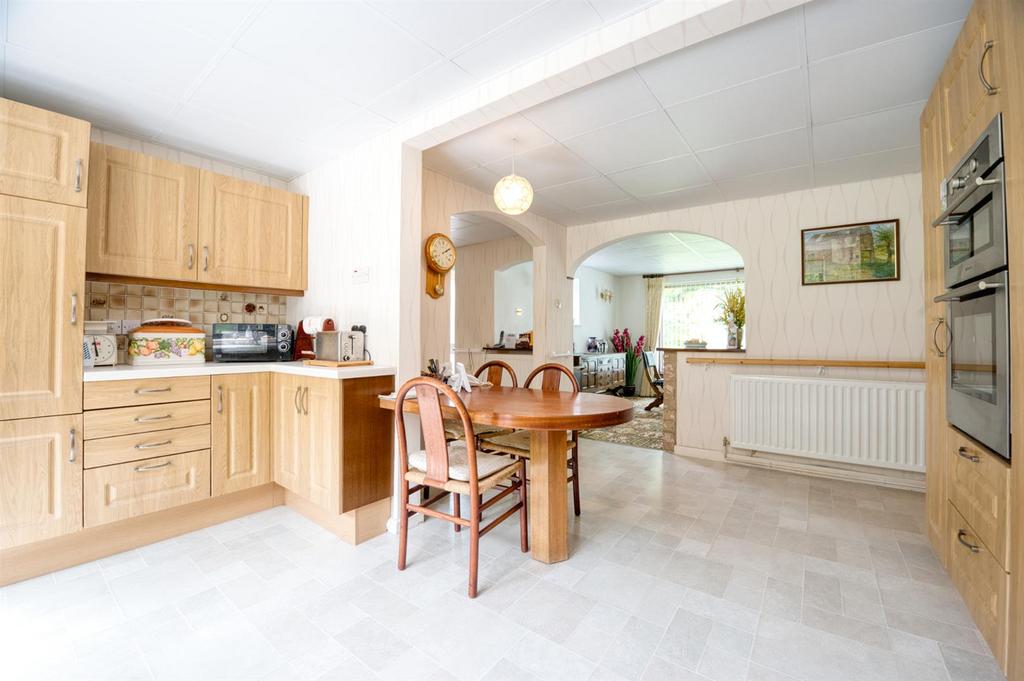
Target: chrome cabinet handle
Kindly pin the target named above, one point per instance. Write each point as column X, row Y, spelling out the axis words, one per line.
column 960, row 538
column 150, row 391
column 305, row 401
column 150, row 419
column 78, row 175
column 939, row 323
column 152, row 445
column 295, row 400
column 963, row 454
column 191, row 255
column 206, row 258
column 153, row 467
column 74, row 309
column 72, row 445
column 981, row 183
column 989, row 88
column 220, row 399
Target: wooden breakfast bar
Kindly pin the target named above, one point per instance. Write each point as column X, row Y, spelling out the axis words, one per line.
column 549, row 416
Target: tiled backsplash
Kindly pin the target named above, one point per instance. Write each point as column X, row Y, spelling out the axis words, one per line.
column 203, row 308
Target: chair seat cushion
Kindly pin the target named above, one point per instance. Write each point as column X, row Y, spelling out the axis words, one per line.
column 517, row 442
column 458, row 462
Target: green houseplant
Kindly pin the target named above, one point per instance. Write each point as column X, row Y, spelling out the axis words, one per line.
column 734, row 313
column 624, row 344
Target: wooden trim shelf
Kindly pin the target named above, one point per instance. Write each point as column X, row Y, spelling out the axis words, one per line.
column 180, row 283
column 849, row 363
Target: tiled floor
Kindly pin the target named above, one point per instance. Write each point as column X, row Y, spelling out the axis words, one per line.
column 681, row 570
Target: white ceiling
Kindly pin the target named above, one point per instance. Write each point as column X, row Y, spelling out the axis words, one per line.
column 278, row 86
column 665, row 253
column 474, row 229
column 826, row 93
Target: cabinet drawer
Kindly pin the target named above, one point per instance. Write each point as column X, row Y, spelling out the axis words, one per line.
column 113, row 450
column 129, row 420
column 131, row 489
column 981, row 581
column 136, row 392
column 979, row 487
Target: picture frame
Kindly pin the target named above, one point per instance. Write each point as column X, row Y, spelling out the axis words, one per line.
column 854, row 253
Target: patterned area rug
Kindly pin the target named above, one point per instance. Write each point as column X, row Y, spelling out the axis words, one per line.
column 643, row 431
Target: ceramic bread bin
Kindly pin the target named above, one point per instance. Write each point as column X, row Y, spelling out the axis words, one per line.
column 166, row 342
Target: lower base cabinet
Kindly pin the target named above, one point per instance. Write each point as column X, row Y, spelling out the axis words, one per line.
column 40, row 479
column 240, row 432
column 306, row 425
column 131, row 489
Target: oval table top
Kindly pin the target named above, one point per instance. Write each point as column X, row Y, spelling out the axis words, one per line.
column 532, row 409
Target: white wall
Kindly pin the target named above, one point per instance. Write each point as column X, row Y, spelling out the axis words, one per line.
column 513, row 289
column 597, row 317
column 630, row 303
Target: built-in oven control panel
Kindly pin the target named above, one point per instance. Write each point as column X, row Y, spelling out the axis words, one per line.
column 986, row 153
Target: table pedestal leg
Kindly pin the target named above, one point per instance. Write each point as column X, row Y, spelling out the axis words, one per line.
column 549, row 523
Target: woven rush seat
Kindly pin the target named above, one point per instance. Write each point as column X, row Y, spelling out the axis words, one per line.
column 517, row 443
column 453, row 429
column 492, row 469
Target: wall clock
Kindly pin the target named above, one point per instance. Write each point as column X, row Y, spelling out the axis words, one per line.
column 440, row 253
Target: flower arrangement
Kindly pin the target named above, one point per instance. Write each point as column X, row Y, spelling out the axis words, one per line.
column 623, row 343
column 734, row 314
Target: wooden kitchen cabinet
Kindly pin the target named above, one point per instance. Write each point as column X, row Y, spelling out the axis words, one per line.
column 240, row 450
column 251, row 235
column 42, row 278
column 40, row 479
column 306, row 445
column 43, row 155
column 972, row 84
column 143, row 218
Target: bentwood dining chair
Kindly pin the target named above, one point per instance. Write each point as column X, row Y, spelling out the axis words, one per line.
column 456, row 468
column 496, row 371
column 655, row 379
column 517, row 443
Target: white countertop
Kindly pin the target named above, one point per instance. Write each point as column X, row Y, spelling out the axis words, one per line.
column 127, row 371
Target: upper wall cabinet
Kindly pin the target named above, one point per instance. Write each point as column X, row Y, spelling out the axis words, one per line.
column 43, row 155
column 142, row 216
column 154, row 219
column 251, row 234
column 972, row 84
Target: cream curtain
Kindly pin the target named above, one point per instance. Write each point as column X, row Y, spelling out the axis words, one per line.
column 652, row 322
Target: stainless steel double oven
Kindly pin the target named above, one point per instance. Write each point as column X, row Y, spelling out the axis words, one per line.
column 977, row 323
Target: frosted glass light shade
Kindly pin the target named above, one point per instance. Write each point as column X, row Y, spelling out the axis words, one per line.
column 513, row 195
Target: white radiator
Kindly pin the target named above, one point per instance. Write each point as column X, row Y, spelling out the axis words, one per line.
column 875, row 423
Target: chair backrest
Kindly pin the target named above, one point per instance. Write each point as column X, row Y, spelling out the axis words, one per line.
column 495, row 368
column 428, row 400
column 551, row 377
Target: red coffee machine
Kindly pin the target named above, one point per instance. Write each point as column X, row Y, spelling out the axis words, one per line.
column 306, row 332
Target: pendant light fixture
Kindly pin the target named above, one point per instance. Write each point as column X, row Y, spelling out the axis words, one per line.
column 513, row 194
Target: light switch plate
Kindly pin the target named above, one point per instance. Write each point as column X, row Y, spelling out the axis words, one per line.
column 361, row 275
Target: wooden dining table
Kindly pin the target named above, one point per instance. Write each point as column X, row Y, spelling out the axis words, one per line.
column 549, row 416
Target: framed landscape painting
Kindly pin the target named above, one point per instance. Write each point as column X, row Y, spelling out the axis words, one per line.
column 845, row 254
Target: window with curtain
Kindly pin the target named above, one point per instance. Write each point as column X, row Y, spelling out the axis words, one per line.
column 689, row 310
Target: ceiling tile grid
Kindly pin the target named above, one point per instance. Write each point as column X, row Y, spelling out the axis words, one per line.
column 287, row 81
column 826, row 93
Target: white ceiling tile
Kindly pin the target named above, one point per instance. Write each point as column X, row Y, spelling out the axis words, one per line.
column 611, row 211
column 611, row 10
column 449, row 26
column 663, row 176
column 435, row 84
column 582, row 193
column 139, row 50
column 337, row 45
column 96, row 97
column 879, row 77
column 477, row 230
column 636, row 255
column 237, row 88
column 631, row 143
column 835, row 26
column 607, row 101
column 882, row 164
column 867, row 134
column 756, row 50
column 545, row 166
column 774, row 182
column 529, row 36
column 785, row 150
column 554, row 212
column 761, row 107
column 361, row 125
column 682, row 198
column 494, row 141
column 214, row 19
column 479, row 177
column 438, row 158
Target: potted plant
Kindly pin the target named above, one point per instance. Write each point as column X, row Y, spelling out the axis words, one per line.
column 624, row 344
column 734, row 315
